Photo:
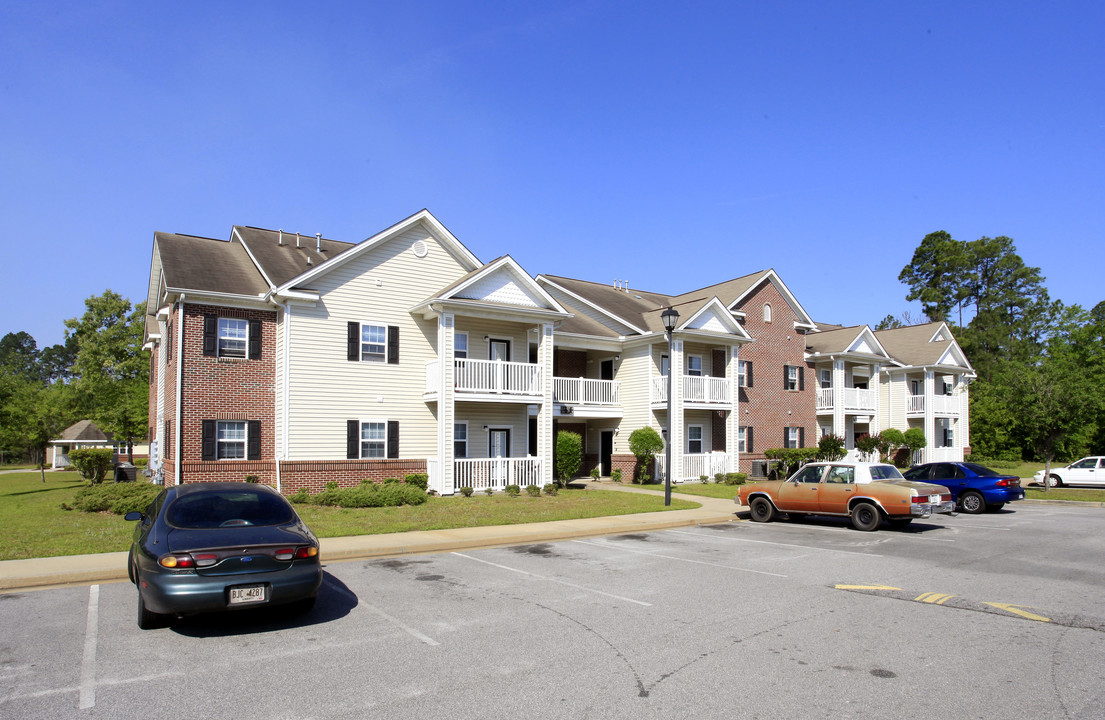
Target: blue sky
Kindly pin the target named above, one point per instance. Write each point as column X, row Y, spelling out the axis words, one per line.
column 673, row 145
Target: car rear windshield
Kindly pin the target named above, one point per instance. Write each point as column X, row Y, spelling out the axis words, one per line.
column 213, row 508
column 885, row 472
column 981, row 470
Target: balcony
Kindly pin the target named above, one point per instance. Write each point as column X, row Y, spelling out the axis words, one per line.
column 854, row 399
column 943, row 405
column 695, row 465
column 697, row 390
column 583, row 391
column 489, row 380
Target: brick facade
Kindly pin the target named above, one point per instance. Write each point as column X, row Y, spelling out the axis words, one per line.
column 767, row 407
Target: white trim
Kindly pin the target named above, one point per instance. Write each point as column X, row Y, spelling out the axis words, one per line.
column 361, row 343
column 361, row 440
column 701, row 439
column 773, row 277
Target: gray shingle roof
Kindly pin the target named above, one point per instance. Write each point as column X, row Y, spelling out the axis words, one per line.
column 204, row 264
column 277, row 254
column 911, row 346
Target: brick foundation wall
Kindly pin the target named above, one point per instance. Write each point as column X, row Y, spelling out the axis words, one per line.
column 627, row 463
column 313, row 475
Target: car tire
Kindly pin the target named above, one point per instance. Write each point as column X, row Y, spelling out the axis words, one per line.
column 147, row 619
column 865, row 517
column 761, row 510
column 1055, row 481
column 972, row 502
column 994, row 507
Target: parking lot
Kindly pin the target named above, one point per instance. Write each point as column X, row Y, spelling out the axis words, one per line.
column 991, row 615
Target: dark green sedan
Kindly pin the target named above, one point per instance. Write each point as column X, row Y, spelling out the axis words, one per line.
column 211, row 547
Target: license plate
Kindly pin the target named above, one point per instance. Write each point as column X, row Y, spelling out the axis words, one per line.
column 244, row 594
column 934, row 499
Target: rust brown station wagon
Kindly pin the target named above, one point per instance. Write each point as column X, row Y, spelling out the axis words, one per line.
column 868, row 493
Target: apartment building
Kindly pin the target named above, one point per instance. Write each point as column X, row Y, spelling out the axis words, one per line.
column 302, row 360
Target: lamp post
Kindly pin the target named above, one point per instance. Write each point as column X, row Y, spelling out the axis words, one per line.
column 670, row 317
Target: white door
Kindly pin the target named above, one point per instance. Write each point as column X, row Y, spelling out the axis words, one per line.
column 498, row 448
column 1085, row 472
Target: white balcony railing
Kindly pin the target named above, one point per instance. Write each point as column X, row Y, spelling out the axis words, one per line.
column 584, row 391
column 695, row 465
column 696, row 389
column 489, row 377
column 941, row 405
column 854, row 399
column 496, row 473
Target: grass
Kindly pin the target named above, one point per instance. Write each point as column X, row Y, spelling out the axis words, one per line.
column 32, row 523
column 713, row 490
column 1066, row 493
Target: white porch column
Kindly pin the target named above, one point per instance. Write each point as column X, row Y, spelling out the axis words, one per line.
column 545, row 439
column 446, row 402
column 733, row 419
column 930, row 416
column 677, row 431
column 874, row 427
column 840, row 428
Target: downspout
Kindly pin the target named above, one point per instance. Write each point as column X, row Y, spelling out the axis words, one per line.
column 179, row 391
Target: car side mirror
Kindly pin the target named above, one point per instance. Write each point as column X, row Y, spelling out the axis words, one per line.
column 133, row 515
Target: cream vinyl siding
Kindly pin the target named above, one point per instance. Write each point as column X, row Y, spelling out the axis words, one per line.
column 517, row 333
column 327, row 389
column 495, row 415
column 633, row 374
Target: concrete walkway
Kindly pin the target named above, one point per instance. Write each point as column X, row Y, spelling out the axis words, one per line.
column 40, row 573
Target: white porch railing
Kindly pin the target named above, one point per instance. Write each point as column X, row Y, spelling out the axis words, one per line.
column 584, row 391
column 496, row 473
column 695, row 465
column 941, row 405
column 854, row 399
column 696, row 389
column 944, row 454
column 490, row 377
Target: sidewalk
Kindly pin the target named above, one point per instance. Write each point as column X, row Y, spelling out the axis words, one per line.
column 41, row 573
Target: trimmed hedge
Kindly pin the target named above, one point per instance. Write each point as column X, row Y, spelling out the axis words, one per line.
column 367, row 494
column 117, row 498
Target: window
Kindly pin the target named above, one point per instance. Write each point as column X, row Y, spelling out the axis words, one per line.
column 841, row 474
column 665, row 365
column 767, row 312
column 949, row 436
column 694, row 365
column 232, row 337
column 792, row 378
column 373, row 440
column 793, row 437
column 374, row 339
column 460, row 345
column 372, row 342
column 810, row 474
column 915, row 387
column 694, row 439
column 826, row 379
column 744, row 373
column 460, row 440
column 231, row 440
column 744, row 443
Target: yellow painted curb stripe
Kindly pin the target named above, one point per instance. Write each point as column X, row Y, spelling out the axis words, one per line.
column 1015, row 609
column 936, row 598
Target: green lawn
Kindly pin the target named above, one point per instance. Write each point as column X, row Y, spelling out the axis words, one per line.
column 725, row 492
column 1067, row 493
column 32, row 523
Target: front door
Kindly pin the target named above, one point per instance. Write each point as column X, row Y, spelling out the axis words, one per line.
column 606, row 370
column 498, row 448
column 499, row 350
column 606, row 449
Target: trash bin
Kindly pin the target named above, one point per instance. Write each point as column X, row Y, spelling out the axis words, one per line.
column 125, row 472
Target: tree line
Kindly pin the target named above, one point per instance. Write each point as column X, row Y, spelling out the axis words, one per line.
column 1040, row 387
column 97, row 373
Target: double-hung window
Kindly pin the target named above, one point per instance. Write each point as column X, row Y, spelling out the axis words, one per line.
column 230, row 440
column 230, row 337
column 460, row 440
column 694, row 365
column 460, row 345
column 373, row 440
column 744, row 373
column 826, row 379
column 742, row 439
column 694, row 439
column 792, row 377
column 374, row 343
column 233, row 333
column 793, row 437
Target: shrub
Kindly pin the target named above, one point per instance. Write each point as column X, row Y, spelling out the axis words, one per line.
column 389, row 481
column 736, row 478
column 616, row 474
column 867, row 445
column 595, row 473
column 300, row 497
column 704, row 479
column 644, row 443
column 512, row 490
column 367, row 494
column 914, row 440
column 533, row 490
column 418, row 480
column 890, row 440
column 252, row 478
column 466, row 491
column 831, row 447
column 790, row 459
column 117, row 498
column 719, row 478
column 92, row 463
column 551, row 489
column 569, row 455
column 489, row 492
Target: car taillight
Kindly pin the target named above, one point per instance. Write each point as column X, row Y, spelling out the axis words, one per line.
column 919, row 498
column 176, row 562
column 205, row 559
column 300, row 553
column 1002, row 483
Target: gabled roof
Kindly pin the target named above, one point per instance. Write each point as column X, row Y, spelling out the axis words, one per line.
column 857, row 339
column 282, row 257
column 500, row 283
column 84, row 431
column 922, row 345
column 200, row 264
column 630, row 308
column 745, row 287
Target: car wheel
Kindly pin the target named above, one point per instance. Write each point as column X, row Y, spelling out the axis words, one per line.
column 994, row 507
column 761, row 510
column 1055, row 481
column 865, row 517
column 971, row 502
column 148, row 620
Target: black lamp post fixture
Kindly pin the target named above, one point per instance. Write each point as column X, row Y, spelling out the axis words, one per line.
column 670, row 317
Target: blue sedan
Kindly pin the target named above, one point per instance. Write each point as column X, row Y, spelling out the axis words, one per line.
column 975, row 488
column 210, row 547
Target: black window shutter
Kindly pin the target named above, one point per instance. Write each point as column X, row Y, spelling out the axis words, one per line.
column 748, row 444
column 210, row 330
column 208, row 440
column 393, row 345
column 786, row 377
column 393, row 439
column 352, row 439
column 801, row 378
column 801, row 437
column 254, row 339
column 253, row 440
column 748, row 367
column 353, row 337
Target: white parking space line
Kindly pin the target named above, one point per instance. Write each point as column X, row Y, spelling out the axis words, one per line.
column 611, row 546
column 777, row 544
column 88, row 663
column 550, row 579
column 393, row 620
column 982, row 527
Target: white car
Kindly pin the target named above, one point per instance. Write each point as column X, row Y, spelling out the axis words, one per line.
column 1087, row 471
